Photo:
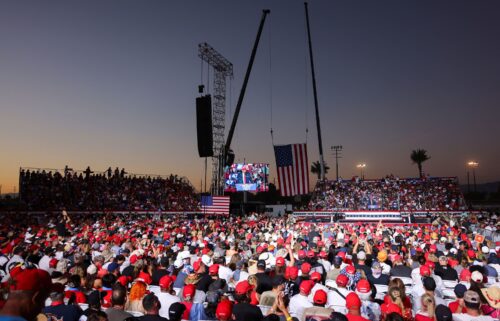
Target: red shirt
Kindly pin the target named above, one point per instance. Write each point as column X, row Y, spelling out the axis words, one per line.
column 79, row 296
column 421, row 317
column 454, row 307
column 188, row 306
column 351, row 317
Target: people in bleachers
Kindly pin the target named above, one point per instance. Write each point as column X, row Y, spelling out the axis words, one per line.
column 89, row 191
column 390, row 193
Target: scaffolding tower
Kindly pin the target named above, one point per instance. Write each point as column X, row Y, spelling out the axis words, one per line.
column 222, row 69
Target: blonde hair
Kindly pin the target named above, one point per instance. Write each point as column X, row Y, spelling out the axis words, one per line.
column 428, row 304
column 252, row 280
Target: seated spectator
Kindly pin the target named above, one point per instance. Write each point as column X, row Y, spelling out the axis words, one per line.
column 58, row 310
column 166, row 296
column 224, row 310
column 369, row 310
column 118, row 300
column 458, row 306
column 400, row 269
column 151, row 306
column 492, row 295
column 472, row 305
column 318, row 309
column 300, row 301
column 377, row 277
column 427, row 306
column 445, row 271
column 135, row 299
column 353, row 305
column 176, row 311
column 443, row 313
column 243, row 310
column 29, row 289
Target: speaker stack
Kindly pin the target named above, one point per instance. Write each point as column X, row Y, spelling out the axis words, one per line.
column 204, row 126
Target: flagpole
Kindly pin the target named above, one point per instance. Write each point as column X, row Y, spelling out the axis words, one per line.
column 318, row 126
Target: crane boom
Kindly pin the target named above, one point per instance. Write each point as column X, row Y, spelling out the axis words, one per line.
column 244, row 86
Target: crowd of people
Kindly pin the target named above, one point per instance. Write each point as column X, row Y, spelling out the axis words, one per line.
column 111, row 190
column 389, row 193
column 155, row 268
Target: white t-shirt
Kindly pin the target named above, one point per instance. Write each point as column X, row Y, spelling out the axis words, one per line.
column 44, row 263
column 327, row 265
column 166, row 300
column 315, row 288
column 466, row 317
column 225, row 273
column 334, row 299
column 298, row 303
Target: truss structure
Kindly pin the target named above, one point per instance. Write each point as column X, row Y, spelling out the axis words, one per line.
column 222, row 69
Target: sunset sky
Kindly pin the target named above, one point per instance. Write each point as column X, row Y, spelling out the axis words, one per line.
column 113, row 83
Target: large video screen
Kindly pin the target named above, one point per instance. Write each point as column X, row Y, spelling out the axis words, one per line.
column 247, row 177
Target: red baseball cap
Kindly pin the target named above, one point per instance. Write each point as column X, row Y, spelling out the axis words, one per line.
column 213, row 269
column 306, row 286
column 315, row 276
column 292, row 272
column 350, row 269
column 433, row 248
column 305, row 268
column 391, row 307
column 123, row 280
column 243, row 287
column 424, row 270
column 189, row 291
column 323, row 254
column 145, row 277
column 31, row 280
column 165, row 282
column 341, row 254
column 311, row 254
column 280, row 261
column 53, row 263
column 302, row 254
column 471, row 254
column 430, row 264
column 352, row 301
column 320, row 297
column 465, row 275
column 342, row 280
column 197, row 265
column 224, row 310
column 363, row 286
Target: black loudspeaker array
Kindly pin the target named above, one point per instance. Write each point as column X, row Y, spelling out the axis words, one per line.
column 204, row 126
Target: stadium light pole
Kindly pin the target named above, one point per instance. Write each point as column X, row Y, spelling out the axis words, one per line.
column 338, row 150
column 473, row 165
column 361, row 168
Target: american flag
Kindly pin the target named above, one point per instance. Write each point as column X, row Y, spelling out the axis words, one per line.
column 293, row 170
column 215, row 205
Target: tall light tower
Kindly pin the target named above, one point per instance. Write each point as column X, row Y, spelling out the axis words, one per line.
column 473, row 165
column 362, row 168
column 222, row 69
column 337, row 149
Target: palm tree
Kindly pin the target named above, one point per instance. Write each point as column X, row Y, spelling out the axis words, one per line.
column 419, row 156
column 316, row 168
